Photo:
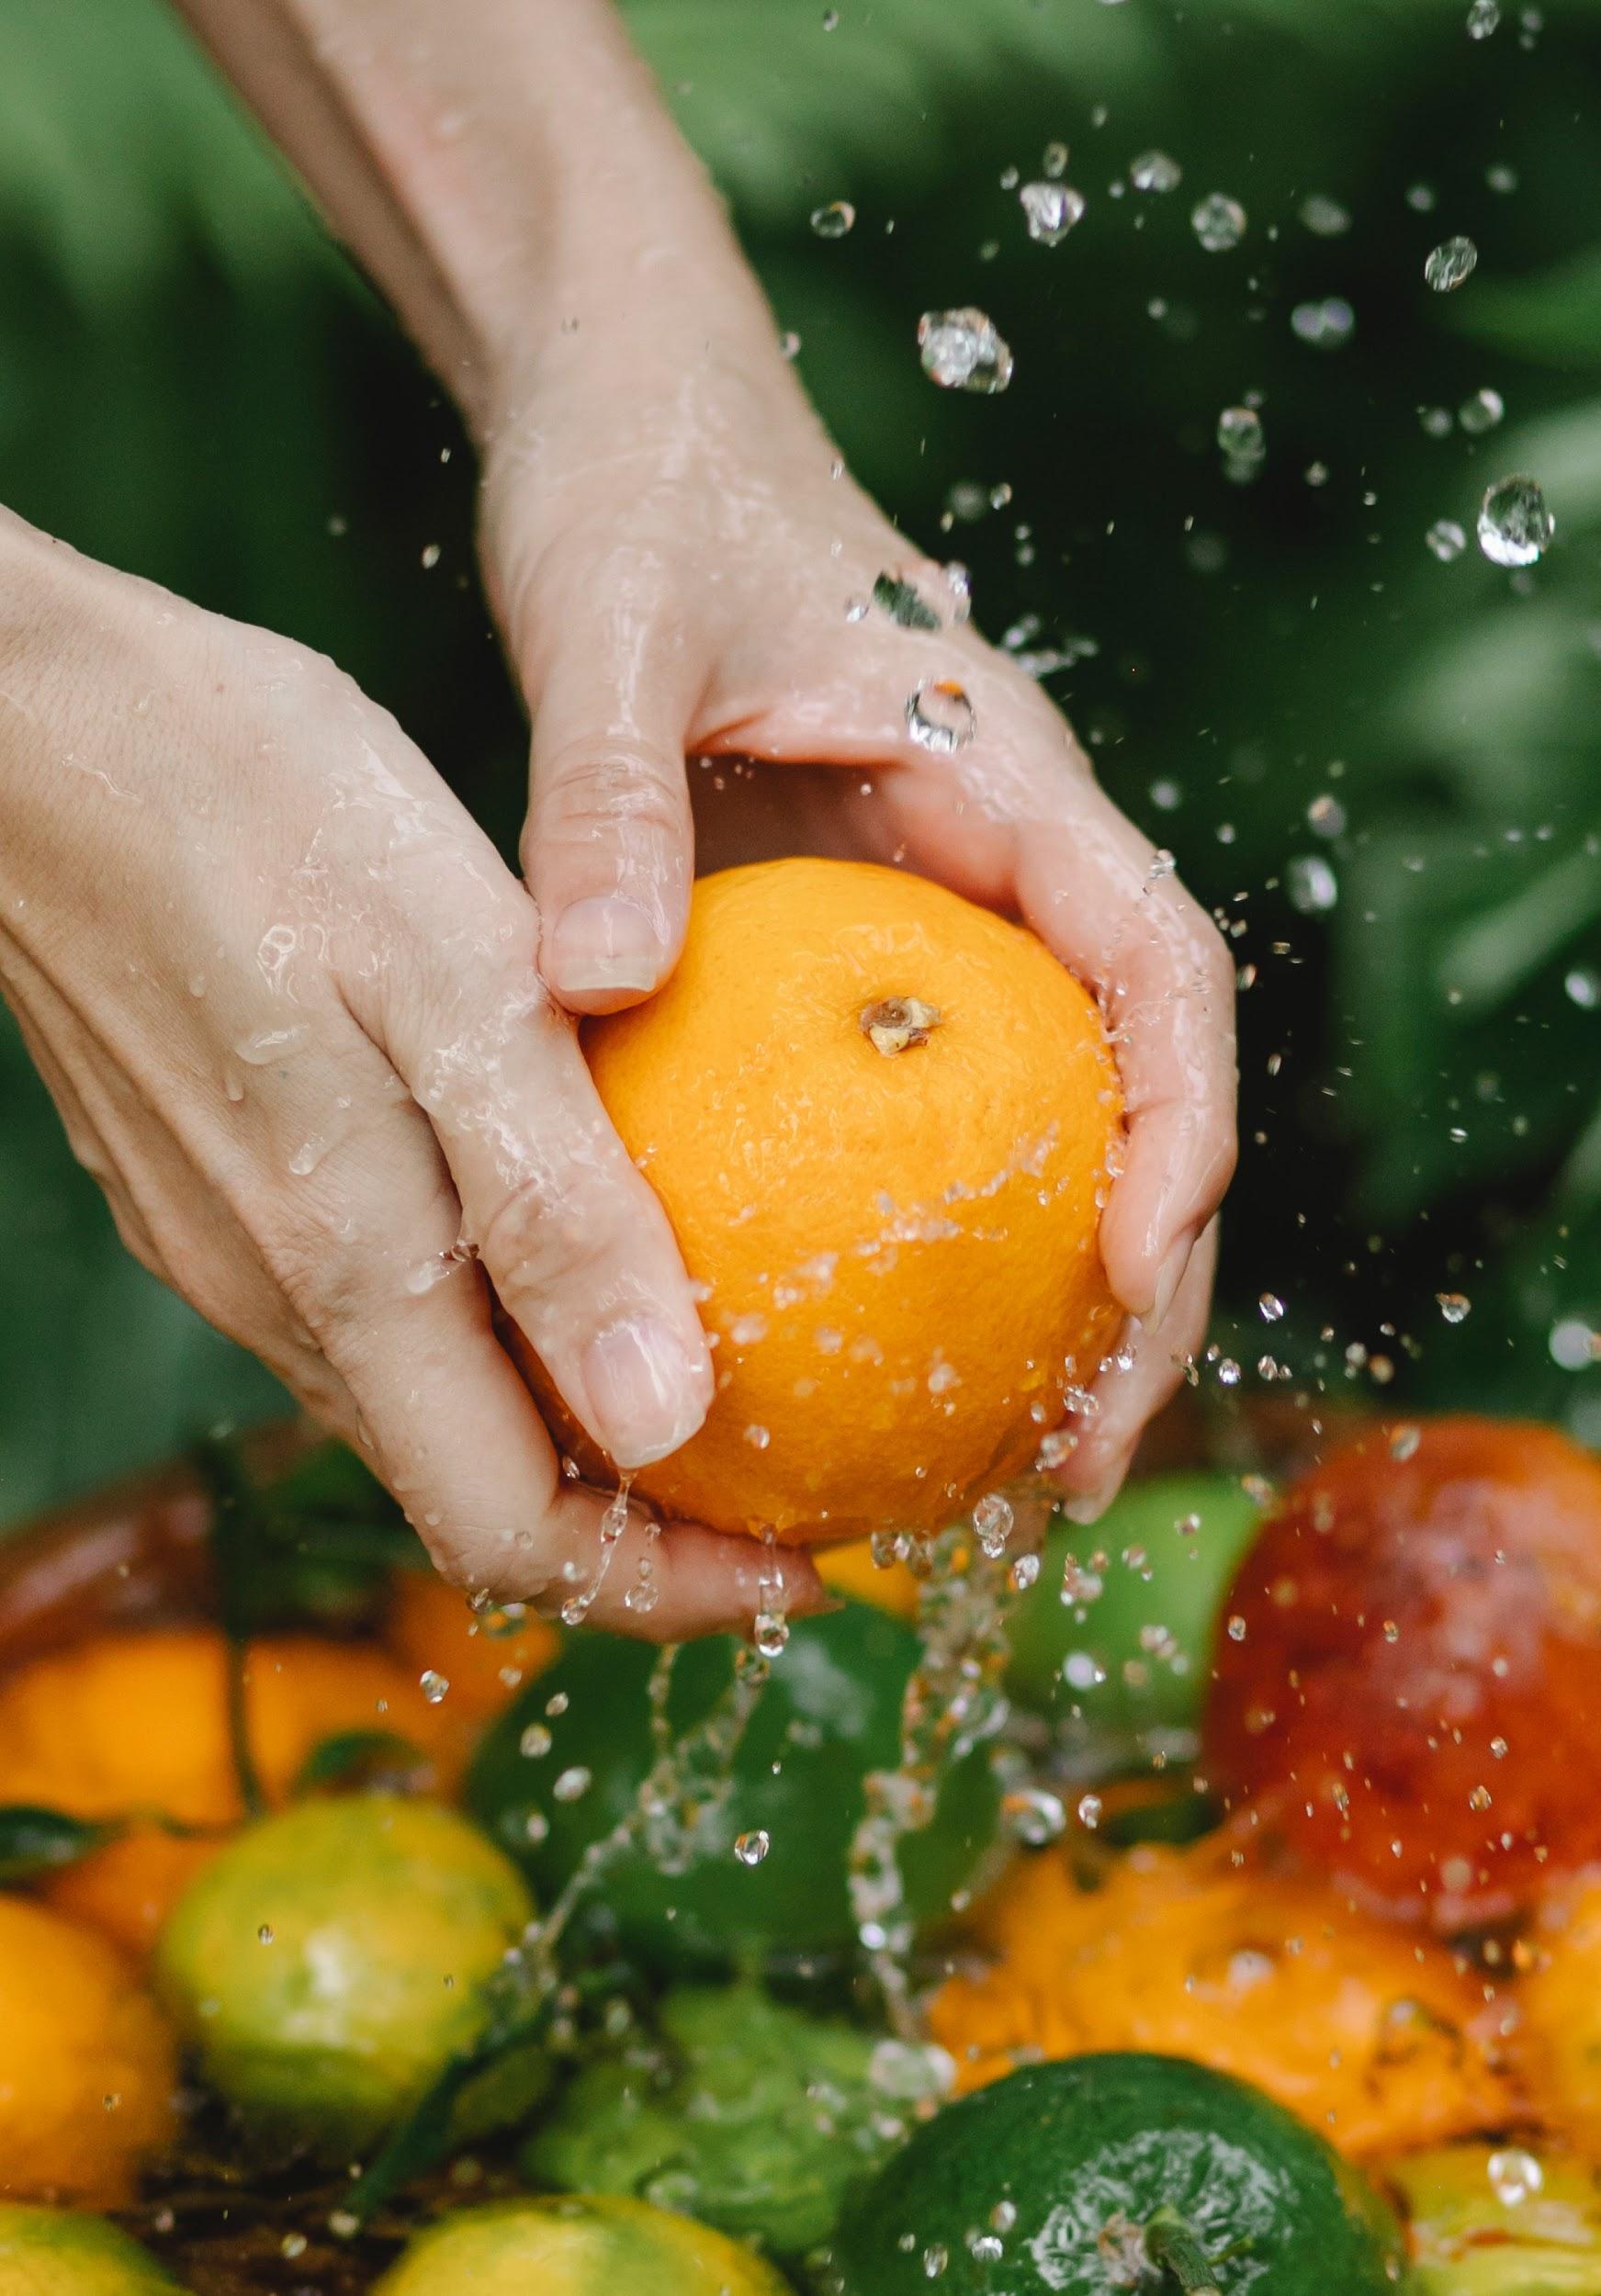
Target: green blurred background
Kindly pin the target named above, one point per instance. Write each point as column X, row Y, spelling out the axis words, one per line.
column 1271, row 675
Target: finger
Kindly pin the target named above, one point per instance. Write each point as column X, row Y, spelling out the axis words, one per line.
column 571, row 1236
column 609, row 848
column 1135, row 1387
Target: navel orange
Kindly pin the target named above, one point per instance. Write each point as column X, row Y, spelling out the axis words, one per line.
column 87, row 2066
column 882, row 1122
column 130, row 1721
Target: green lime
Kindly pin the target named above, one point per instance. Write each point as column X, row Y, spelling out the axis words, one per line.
column 576, row 2247
column 566, row 1765
column 756, row 2118
column 1131, row 1651
column 1106, row 2173
column 1497, row 2220
column 332, row 1959
column 56, row 2252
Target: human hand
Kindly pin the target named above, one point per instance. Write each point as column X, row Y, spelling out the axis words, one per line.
column 285, row 995
column 683, row 571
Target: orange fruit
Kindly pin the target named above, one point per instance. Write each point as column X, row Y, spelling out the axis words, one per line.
column 882, row 1122
column 1377, row 2042
column 430, row 1627
column 87, row 2066
column 126, row 1722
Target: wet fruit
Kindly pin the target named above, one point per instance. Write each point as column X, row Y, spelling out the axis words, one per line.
column 55, row 2252
column 882, row 1122
column 1117, row 2172
column 566, row 1766
column 1118, row 1627
column 576, row 2247
column 751, row 2116
column 122, row 1723
column 485, row 1660
column 1560, row 2001
column 1409, row 1689
column 87, row 2065
column 1336, row 2015
column 331, row 1959
column 1499, row 2221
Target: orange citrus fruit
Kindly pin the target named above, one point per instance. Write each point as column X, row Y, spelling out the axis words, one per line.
column 87, row 2066
column 851, row 1569
column 431, row 1628
column 122, row 1723
column 1373, row 2040
column 882, row 1122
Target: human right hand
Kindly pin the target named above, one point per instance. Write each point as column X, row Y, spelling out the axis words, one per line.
column 285, row 995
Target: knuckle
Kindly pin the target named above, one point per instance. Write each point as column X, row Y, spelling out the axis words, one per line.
column 609, row 785
column 546, row 1242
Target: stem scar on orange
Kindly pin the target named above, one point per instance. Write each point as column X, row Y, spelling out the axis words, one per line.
column 882, row 1122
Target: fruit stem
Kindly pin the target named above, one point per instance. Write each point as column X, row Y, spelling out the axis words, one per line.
column 893, row 1023
column 1174, row 2248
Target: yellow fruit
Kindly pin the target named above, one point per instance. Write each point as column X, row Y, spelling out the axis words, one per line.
column 431, row 1628
column 1375, row 2041
column 1561, row 2001
column 123, row 1722
column 55, row 2252
column 87, row 2066
column 332, row 1959
column 576, row 2247
column 852, row 1570
column 882, row 1122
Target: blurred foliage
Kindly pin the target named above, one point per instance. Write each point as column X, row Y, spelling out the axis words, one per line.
column 198, row 388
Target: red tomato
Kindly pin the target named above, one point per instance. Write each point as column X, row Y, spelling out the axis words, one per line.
column 1407, row 1689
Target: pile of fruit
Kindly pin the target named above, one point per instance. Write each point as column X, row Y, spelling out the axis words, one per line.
column 1245, row 1935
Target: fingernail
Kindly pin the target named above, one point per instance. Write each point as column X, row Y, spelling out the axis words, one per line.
column 1091, row 1505
column 1170, row 1277
column 647, row 1391
column 603, row 942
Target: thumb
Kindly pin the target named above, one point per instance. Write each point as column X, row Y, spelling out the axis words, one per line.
column 609, row 848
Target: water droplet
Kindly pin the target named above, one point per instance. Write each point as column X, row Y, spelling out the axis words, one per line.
column 1515, row 526
column 1270, row 1307
column 1054, row 161
column 834, row 220
column 1325, row 217
column 770, row 1633
column 292, row 2244
column 1219, row 223
column 1446, row 540
column 1236, row 1628
column 1156, row 171
column 1240, row 434
column 985, row 2247
column 1480, row 1798
column 1325, row 325
column 1481, row 412
column 572, row 1785
column 1583, row 987
column 1482, row 18
column 308, row 1156
column 263, row 1936
column 1228, row 1372
column 993, row 1520
column 961, row 351
column 1025, row 1574
column 534, row 1741
column 270, row 1044
column 1327, row 816
column 1311, row 884
column 940, row 717
column 758, row 1436
column 1449, row 264
column 432, row 1686
column 1572, row 1345
column 1051, row 210
column 1033, row 1816
column 1514, row 2176
column 751, row 1848
column 1089, row 1808
column 1454, row 1306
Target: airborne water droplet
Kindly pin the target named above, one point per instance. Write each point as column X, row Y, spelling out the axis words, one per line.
column 1482, row 18
column 1449, row 264
column 1446, row 540
column 1240, row 434
column 433, row 1686
column 1481, row 412
column 1455, row 1306
column 834, row 220
column 1051, row 210
column 1311, row 884
column 1515, row 526
column 751, row 1848
column 1515, row 2177
column 1156, row 171
column 1218, row 223
column 1324, row 325
column 961, row 351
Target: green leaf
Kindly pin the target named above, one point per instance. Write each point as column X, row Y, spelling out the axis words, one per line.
column 1553, row 315
column 34, row 1842
column 353, row 1758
